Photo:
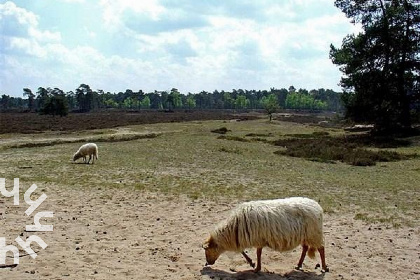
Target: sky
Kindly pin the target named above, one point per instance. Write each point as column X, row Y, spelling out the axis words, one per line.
column 191, row 45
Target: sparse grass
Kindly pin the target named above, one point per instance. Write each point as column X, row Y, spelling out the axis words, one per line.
column 126, row 137
column 229, row 150
column 191, row 161
column 388, row 219
column 106, row 138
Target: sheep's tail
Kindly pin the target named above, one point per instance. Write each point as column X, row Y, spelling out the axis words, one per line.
column 311, row 252
column 97, row 153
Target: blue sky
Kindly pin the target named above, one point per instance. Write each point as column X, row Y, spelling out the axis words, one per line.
column 150, row 45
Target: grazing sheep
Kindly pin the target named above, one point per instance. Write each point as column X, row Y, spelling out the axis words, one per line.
column 89, row 149
column 280, row 224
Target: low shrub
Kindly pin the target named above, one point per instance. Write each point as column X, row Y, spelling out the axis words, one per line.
column 259, row 135
column 233, row 138
column 222, row 130
column 336, row 149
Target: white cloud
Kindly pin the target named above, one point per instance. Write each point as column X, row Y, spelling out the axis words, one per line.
column 26, row 46
column 24, row 17
column 113, row 11
column 90, row 34
column 192, row 46
column 43, row 36
column 21, row 26
column 73, row 1
column 23, row 46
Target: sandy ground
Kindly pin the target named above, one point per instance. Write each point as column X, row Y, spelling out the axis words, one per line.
column 128, row 234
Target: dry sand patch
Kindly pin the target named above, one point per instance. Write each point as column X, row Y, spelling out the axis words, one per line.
column 130, row 234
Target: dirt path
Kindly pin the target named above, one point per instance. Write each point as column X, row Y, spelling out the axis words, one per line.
column 128, row 234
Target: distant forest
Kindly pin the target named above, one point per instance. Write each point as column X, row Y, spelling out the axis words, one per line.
column 84, row 99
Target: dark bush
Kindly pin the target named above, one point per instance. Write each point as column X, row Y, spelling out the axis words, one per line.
column 259, row 135
column 222, row 130
column 342, row 149
column 233, row 138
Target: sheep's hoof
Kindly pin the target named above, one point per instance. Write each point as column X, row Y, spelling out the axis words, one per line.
column 258, row 269
column 298, row 268
column 326, row 269
column 252, row 264
column 317, row 266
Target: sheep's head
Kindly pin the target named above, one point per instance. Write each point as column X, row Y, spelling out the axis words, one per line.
column 212, row 251
column 76, row 156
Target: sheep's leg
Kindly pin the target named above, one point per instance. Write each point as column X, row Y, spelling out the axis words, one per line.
column 248, row 259
column 302, row 257
column 90, row 157
column 322, row 254
column 258, row 268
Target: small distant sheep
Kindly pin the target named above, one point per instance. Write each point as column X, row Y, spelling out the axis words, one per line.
column 280, row 224
column 89, row 149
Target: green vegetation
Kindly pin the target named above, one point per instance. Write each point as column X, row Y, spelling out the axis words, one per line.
column 222, row 130
column 319, row 146
column 304, row 101
column 233, row 138
column 270, row 104
column 55, row 105
column 188, row 159
column 106, row 138
column 328, row 149
column 381, row 63
column 85, row 99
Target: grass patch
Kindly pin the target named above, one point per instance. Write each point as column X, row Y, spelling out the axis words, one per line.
column 127, row 137
column 231, row 150
column 108, row 138
column 42, row 143
column 391, row 220
column 316, row 134
column 186, row 159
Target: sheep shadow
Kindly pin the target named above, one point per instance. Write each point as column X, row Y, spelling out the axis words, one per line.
column 81, row 162
column 262, row 275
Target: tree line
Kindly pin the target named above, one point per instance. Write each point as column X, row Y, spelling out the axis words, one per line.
column 57, row 102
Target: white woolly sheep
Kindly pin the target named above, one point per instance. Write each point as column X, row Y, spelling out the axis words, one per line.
column 280, row 224
column 89, row 149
